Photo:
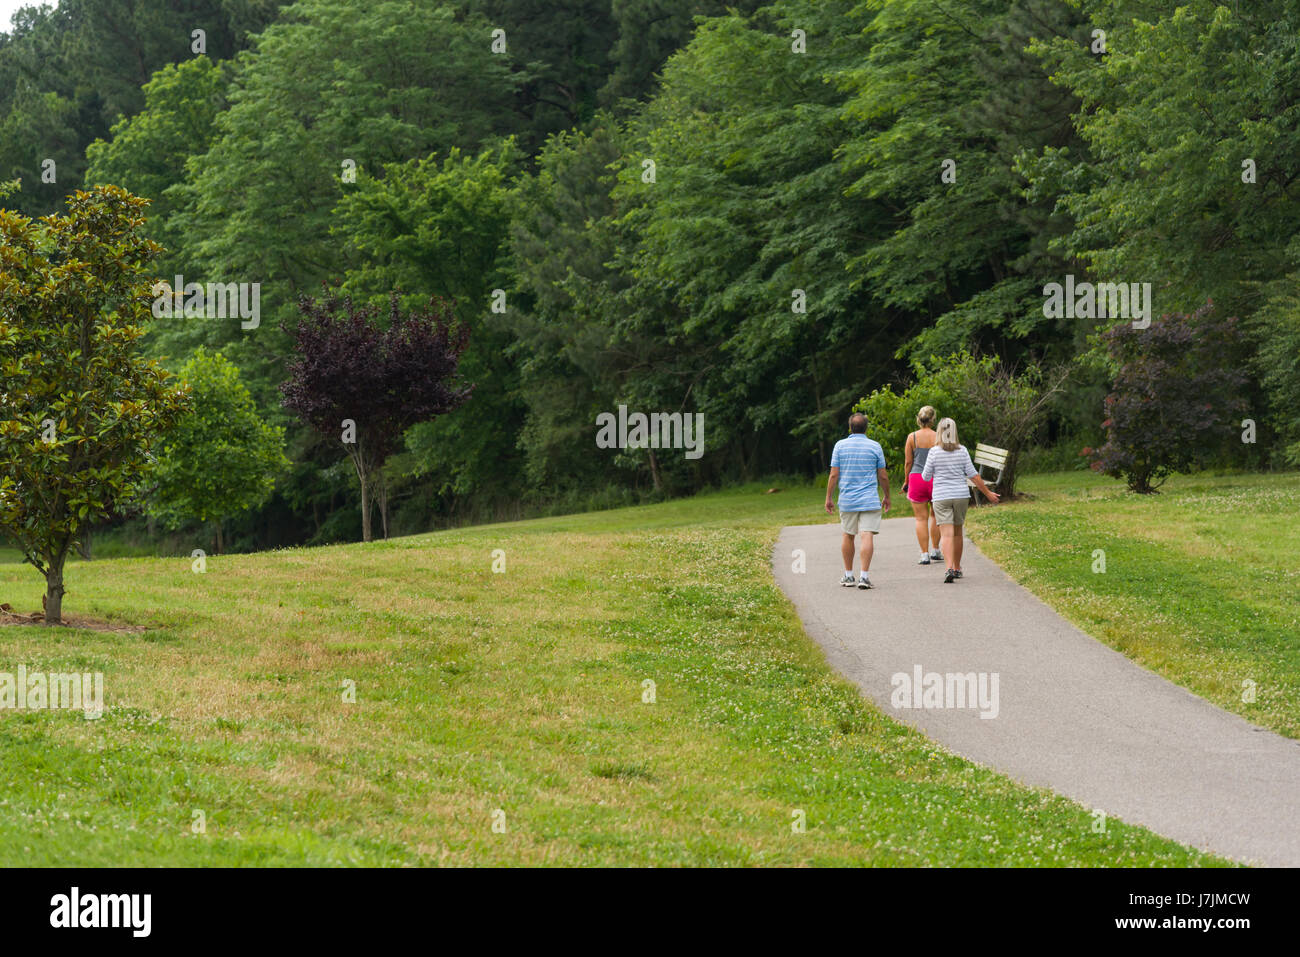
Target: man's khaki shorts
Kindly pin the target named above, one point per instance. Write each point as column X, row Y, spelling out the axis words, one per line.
column 951, row 511
column 854, row 522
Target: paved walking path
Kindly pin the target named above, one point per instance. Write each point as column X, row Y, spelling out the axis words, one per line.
column 1073, row 715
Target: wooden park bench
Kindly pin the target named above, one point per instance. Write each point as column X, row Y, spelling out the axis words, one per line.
column 990, row 457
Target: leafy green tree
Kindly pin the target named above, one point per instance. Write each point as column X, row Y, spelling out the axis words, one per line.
column 222, row 456
column 40, row 126
column 40, row 117
column 675, row 287
column 562, row 50
column 648, row 33
column 115, row 46
column 1277, row 331
column 949, row 97
column 430, row 226
column 147, row 152
column 433, row 227
column 562, row 245
column 82, row 410
column 330, row 85
column 738, row 252
column 1194, row 149
column 68, row 73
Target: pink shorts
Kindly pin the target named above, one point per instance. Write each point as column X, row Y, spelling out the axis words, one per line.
column 918, row 489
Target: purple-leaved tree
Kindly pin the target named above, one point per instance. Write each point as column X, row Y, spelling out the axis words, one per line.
column 384, row 378
column 1176, row 398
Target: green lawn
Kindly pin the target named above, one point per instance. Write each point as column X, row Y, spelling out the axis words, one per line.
column 478, row 691
column 1201, row 582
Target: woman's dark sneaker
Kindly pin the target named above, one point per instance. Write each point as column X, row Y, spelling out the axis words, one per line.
column 949, row 577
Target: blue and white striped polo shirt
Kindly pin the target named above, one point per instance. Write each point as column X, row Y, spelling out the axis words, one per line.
column 857, row 457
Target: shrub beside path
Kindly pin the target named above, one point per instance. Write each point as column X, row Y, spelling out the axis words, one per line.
column 1073, row 715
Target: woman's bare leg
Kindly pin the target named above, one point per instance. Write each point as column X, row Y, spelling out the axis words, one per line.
column 921, row 510
column 946, row 544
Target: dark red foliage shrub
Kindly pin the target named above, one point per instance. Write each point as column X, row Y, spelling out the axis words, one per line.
column 1176, row 399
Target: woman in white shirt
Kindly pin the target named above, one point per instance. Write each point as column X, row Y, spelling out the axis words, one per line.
column 948, row 466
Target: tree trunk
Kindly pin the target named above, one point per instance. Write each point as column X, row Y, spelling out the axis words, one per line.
column 54, row 594
column 1008, row 476
column 383, row 503
column 220, row 541
column 366, row 534
column 362, row 478
column 817, row 395
column 654, row 471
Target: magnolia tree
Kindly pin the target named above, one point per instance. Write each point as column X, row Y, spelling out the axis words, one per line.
column 80, row 409
column 367, row 384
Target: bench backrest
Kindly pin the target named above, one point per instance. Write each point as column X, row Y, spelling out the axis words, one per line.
column 990, row 455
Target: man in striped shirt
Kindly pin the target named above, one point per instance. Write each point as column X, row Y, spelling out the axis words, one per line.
column 858, row 468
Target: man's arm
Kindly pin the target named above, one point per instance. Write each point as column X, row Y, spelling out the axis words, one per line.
column 830, row 486
column 882, row 476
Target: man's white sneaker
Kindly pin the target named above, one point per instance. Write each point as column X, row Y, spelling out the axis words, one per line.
column 864, row 582
column 936, row 555
column 847, row 580
column 924, row 559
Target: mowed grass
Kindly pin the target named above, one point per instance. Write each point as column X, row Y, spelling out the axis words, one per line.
column 1201, row 582
column 478, row 692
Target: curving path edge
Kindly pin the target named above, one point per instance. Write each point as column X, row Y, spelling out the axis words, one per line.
column 1073, row 715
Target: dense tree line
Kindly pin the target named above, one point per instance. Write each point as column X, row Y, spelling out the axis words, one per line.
column 758, row 211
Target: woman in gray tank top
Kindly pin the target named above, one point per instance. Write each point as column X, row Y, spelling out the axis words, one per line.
column 918, row 489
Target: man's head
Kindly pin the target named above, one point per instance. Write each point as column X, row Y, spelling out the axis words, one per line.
column 858, row 423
